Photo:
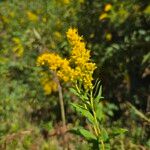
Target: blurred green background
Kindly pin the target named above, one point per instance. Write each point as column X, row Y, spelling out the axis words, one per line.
column 118, row 34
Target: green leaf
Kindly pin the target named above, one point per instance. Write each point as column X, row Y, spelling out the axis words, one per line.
column 84, row 112
column 118, row 131
column 140, row 114
column 83, row 97
column 87, row 135
column 96, row 87
column 100, row 112
column 104, row 135
column 99, row 95
column 146, row 58
column 84, row 133
column 74, row 91
column 36, row 33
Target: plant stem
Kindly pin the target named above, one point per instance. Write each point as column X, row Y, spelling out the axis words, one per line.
column 94, row 113
column 103, row 146
column 97, row 130
column 61, row 101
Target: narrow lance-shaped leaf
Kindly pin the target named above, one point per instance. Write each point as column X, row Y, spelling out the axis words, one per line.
column 74, row 92
column 96, row 87
column 83, row 132
column 104, row 135
column 84, row 112
column 99, row 95
column 117, row 131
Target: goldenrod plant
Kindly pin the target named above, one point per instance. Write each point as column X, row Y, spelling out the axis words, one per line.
column 78, row 70
column 118, row 34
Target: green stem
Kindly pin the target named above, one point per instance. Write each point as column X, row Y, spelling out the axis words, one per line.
column 97, row 130
column 94, row 113
column 77, row 88
column 103, row 146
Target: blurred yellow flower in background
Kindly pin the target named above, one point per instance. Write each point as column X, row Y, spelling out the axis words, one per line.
column 18, row 48
column 103, row 16
column 81, row 1
column 108, row 36
column 66, row 1
column 12, row 14
column 32, row 17
column 48, row 84
column 107, row 7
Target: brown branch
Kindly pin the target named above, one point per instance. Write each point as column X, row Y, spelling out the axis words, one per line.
column 61, row 101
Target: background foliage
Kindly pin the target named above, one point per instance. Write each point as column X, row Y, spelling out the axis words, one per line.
column 117, row 32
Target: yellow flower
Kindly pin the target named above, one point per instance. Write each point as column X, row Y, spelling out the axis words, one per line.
column 32, row 17
column 103, row 16
column 87, row 81
column 48, row 84
column 147, row 10
column 18, row 48
column 80, row 57
column 49, row 87
column 12, row 14
column 16, row 40
column 56, row 64
column 72, row 35
column 66, row 1
column 81, row 1
column 108, row 36
column 78, row 68
column 107, row 7
column 79, row 53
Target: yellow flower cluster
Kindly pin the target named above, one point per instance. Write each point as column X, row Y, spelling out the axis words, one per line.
column 56, row 64
column 80, row 57
column 77, row 68
column 48, row 84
